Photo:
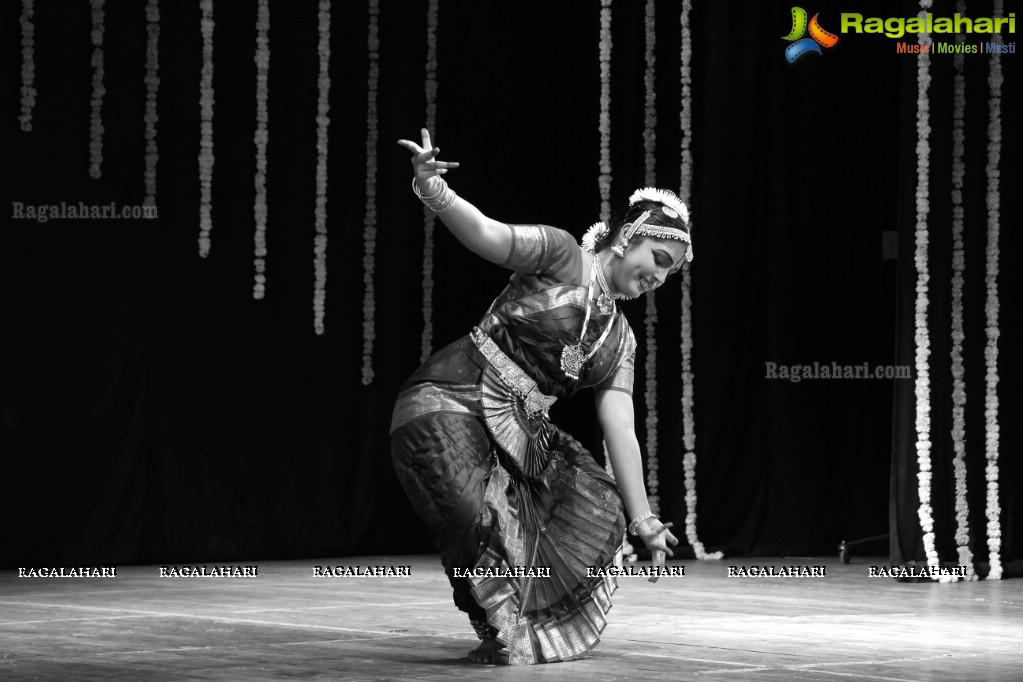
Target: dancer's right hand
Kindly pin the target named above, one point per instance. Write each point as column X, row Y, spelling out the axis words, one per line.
column 424, row 159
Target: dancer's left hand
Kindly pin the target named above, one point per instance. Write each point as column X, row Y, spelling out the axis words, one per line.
column 656, row 537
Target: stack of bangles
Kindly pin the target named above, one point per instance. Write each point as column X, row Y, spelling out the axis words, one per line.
column 634, row 526
column 439, row 202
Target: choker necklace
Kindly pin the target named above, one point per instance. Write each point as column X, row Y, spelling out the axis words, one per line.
column 572, row 357
column 606, row 300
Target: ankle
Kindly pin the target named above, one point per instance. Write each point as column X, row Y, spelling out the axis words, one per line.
column 483, row 629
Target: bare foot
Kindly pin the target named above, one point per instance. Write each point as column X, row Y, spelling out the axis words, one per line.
column 486, row 652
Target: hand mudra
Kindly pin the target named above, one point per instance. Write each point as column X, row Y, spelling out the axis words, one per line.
column 656, row 537
column 424, row 158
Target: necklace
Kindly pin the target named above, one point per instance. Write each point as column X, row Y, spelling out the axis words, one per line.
column 572, row 357
column 606, row 301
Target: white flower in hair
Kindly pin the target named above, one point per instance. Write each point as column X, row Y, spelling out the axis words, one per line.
column 663, row 197
column 593, row 235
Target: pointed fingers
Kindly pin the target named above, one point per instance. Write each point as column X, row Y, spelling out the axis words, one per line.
column 411, row 146
column 660, row 529
column 658, row 557
column 426, row 138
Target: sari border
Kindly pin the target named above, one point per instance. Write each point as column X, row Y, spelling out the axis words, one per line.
column 428, row 398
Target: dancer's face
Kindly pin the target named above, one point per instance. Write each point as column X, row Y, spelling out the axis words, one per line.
column 648, row 262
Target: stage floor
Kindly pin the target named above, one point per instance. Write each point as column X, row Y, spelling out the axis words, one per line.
column 286, row 623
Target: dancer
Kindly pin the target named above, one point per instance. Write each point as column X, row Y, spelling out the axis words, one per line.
column 505, row 493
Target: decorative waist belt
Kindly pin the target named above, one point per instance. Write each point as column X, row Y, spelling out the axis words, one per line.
column 514, row 409
column 520, row 383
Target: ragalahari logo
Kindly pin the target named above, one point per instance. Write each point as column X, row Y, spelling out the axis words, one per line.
column 801, row 46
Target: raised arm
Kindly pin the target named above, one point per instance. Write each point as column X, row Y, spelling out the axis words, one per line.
column 617, row 419
column 484, row 236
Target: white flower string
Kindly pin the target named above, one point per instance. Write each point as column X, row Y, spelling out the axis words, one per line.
column 28, row 66
column 650, row 104
column 369, row 232
column 923, row 344
column 604, row 127
column 688, row 422
column 991, row 306
column 429, row 217
column 96, row 120
column 152, row 85
column 650, row 364
column 261, row 139
column 322, row 122
column 206, row 128
column 962, row 534
column 688, row 427
column 686, row 113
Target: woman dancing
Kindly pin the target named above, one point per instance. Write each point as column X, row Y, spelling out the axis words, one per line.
column 501, row 488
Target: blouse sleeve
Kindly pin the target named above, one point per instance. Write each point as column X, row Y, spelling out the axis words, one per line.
column 541, row 249
column 621, row 379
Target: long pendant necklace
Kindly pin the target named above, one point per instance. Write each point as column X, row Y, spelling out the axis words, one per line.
column 606, row 301
column 572, row 357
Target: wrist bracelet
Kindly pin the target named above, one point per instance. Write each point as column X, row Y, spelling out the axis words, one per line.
column 441, row 201
column 634, row 526
column 432, row 197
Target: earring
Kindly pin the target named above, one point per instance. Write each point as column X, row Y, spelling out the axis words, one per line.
column 619, row 249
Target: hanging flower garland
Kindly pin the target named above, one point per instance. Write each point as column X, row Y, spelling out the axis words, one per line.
column 152, row 85
column 322, row 122
column 429, row 218
column 962, row 534
column 688, row 425
column 923, row 344
column 369, row 233
column 261, row 139
column 604, row 179
column 686, row 113
column 650, row 365
column 28, row 66
column 991, row 307
column 650, row 105
column 95, row 120
column 206, row 128
column 688, row 422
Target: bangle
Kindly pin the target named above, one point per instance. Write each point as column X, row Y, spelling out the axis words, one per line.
column 634, row 526
column 444, row 204
column 422, row 197
column 441, row 201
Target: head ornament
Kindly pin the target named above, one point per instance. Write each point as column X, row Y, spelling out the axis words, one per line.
column 670, row 206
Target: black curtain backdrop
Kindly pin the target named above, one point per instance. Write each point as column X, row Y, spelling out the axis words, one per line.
column 153, row 411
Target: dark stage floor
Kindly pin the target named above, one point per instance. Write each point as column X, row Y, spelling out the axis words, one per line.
column 285, row 623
